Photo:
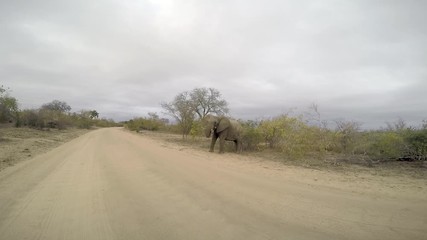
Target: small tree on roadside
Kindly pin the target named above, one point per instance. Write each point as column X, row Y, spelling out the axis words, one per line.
column 8, row 106
column 55, row 114
column 94, row 114
column 195, row 104
column 182, row 108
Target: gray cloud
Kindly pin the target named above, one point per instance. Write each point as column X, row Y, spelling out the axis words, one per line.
column 359, row 60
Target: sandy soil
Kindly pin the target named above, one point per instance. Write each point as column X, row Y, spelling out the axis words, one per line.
column 112, row 184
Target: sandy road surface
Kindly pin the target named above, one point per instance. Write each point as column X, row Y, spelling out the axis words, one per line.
column 112, row 184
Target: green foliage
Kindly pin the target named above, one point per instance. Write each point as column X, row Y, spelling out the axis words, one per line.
column 382, row 145
column 289, row 135
column 252, row 136
column 297, row 139
column 196, row 129
column 150, row 123
column 55, row 114
column 417, row 141
column 392, row 144
column 53, row 117
column 93, row 114
column 80, row 120
column 8, row 106
column 103, row 123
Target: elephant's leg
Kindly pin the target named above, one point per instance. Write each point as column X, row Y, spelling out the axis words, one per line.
column 239, row 146
column 213, row 143
column 221, row 144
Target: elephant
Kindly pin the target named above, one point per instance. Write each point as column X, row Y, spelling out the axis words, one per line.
column 224, row 129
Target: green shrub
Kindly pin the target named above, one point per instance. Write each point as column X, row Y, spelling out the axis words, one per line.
column 103, row 123
column 196, row 130
column 417, row 142
column 294, row 137
column 384, row 145
column 151, row 124
column 251, row 136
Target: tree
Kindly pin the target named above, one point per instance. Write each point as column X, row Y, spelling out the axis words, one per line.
column 347, row 133
column 55, row 114
column 57, row 106
column 8, row 106
column 208, row 100
column 94, row 114
column 199, row 102
column 182, row 108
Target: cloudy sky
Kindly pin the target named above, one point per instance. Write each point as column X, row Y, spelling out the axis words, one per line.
column 361, row 60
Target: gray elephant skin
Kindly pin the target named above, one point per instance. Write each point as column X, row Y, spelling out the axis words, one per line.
column 225, row 129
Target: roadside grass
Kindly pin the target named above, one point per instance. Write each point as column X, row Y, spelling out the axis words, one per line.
column 19, row 144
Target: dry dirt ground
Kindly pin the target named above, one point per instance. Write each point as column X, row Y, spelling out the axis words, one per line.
column 113, row 184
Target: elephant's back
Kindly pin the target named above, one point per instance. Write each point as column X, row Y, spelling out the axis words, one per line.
column 237, row 127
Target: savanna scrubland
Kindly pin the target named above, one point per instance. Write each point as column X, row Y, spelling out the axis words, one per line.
column 304, row 139
column 161, row 182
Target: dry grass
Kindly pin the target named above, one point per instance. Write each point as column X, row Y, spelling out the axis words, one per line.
column 19, row 144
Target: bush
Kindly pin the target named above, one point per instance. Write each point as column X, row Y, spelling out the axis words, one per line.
column 103, row 123
column 417, row 144
column 152, row 123
column 251, row 137
column 289, row 135
column 297, row 138
column 84, row 123
column 383, row 145
column 346, row 137
column 196, row 130
column 30, row 118
column 8, row 106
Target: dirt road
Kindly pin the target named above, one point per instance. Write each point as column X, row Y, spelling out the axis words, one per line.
column 112, row 184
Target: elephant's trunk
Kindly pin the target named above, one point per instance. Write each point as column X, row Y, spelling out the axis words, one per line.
column 208, row 132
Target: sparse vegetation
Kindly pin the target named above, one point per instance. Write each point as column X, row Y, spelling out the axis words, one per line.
column 188, row 106
column 26, row 133
column 151, row 123
column 53, row 115
column 297, row 139
column 58, row 115
column 301, row 137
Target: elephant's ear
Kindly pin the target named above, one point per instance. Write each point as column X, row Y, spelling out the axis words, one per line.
column 223, row 124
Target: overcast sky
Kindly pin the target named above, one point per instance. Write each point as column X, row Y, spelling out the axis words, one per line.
column 357, row 60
